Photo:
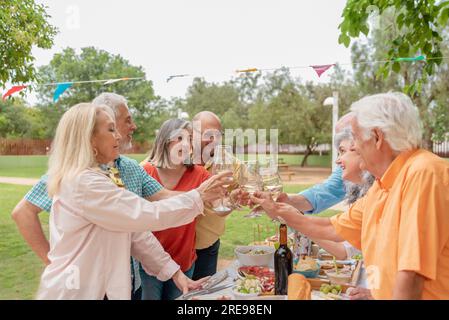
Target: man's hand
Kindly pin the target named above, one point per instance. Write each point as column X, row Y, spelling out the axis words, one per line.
column 283, row 197
column 26, row 216
column 185, row 284
column 359, row 293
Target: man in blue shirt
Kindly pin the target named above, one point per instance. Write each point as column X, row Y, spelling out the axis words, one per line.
column 26, row 213
column 324, row 195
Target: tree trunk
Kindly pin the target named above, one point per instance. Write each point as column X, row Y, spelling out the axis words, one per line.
column 306, row 155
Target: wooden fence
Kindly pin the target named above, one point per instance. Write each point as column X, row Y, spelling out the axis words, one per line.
column 42, row 147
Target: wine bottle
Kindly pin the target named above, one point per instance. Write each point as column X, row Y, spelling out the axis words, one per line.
column 283, row 263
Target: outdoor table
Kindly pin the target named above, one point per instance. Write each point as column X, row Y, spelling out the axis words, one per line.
column 233, row 275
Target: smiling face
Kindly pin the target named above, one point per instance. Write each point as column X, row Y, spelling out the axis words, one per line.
column 349, row 161
column 105, row 139
column 180, row 146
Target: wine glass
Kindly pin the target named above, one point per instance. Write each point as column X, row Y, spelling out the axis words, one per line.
column 223, row 161
column 250, row 181
column 271, row 180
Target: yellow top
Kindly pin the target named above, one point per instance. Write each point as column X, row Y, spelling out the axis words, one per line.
column 402, row 224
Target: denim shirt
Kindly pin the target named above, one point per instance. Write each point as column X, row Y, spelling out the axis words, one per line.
column 324, row 195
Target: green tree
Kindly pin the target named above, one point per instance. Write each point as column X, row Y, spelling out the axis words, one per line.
column 431, row 97
column 222, row 99
column 18, row 120
column 296, row 111
column 94, row 64
column 23, row 24
column 416, row 26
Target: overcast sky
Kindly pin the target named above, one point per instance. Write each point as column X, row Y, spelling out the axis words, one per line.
column 208, row 38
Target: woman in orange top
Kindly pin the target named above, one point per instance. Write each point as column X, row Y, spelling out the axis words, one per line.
column 170, row 164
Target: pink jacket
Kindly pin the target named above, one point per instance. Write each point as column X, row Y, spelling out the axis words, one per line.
column 96, row 226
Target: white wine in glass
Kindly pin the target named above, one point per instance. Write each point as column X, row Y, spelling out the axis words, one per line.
column 250, row 181
column 222, row 162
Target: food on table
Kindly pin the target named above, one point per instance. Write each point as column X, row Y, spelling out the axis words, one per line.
column 255, row 271
column 298, row 287
column 249, row 284
column 307, row 264
column 223, row 297
column 330, row 288
column 256, row 252
column 324, row 255
column 327, row 265
column 254, row 255
column 357, row 257
column 274, row 241
column 339, row 277
column 331, row 291
column 264, row 274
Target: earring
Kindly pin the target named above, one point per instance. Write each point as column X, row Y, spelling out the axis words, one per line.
column 95, row 152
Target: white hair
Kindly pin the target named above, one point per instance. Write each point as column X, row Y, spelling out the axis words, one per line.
column 71, row 150
column 342, row 135
column 112, row 100
column 395, row 115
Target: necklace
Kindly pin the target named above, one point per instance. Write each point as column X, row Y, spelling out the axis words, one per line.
column 113, row 174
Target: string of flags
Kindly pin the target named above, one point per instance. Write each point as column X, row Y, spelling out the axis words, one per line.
column 62, row 87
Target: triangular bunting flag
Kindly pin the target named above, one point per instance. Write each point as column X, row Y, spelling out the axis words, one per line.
column 14, row 89
column 410, row 59
column 176, row 76
column 321, row 69
column 247, row 70
column 60, row 90
column 114, row 81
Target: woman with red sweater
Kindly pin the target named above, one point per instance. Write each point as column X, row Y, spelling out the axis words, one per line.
column 170, row 164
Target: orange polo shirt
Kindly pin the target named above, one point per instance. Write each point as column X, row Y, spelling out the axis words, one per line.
column 404, row 226
column 179, row 242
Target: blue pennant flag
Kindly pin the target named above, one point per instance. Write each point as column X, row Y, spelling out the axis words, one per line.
column 60, row 90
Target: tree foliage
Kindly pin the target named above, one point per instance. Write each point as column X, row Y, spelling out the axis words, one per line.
column 23, row 25
column 94, row 64
column 415, row 27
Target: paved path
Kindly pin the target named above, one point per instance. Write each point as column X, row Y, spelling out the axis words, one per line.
column 20, row 181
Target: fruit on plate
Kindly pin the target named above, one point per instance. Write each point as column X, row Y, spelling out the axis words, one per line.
column 331, row 291
column 330, row 288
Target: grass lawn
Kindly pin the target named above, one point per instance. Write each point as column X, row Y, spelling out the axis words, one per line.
column 36, row 166
column 20, row 269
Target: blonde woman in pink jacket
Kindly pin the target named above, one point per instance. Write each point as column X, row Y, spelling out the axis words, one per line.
column 95, row 224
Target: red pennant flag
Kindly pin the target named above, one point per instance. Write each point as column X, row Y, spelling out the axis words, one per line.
column 321, row 69
column 13, row 90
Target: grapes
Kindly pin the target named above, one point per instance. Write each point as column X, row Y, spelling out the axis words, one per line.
column 329, row 288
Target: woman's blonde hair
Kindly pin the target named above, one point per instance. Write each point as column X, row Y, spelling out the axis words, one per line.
column 71, row 150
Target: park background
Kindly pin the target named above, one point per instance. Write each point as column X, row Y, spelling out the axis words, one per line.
column 284, row 98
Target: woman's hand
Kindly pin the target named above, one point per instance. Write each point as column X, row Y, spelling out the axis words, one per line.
column 186, row 284
column 359, row 293
column 212, row 189
column 274, row 210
